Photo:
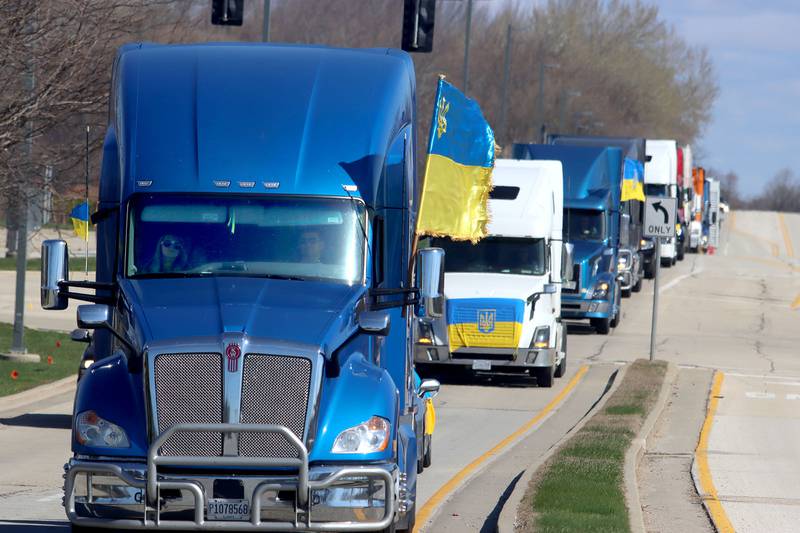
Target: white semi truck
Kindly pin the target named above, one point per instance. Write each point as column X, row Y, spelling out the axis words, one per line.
column 661, row 179
column 503, row 296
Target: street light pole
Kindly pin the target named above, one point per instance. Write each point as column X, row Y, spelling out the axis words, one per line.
column 466, row 46
column 265, row 23
column 539, row 127
column 506, row 76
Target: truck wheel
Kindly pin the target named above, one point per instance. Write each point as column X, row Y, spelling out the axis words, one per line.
column 618, row 315
column 601, row 325
column 544, row 377
column 666, row 262
column 638, row 285
column 561, row 369
column 427, row 458
column 681, row 252
column 650, row 270
column 626, row 293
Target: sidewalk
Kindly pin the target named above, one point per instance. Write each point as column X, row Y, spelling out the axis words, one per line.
column 666, row 489
column 35, row 316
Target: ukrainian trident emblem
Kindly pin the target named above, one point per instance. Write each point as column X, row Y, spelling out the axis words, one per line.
column 233, row 353
column 486, row 320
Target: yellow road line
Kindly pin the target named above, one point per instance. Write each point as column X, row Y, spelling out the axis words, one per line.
column 709, row 491
column 445, row 490
column 796, row 303
column 787, row 239
column 774, row 247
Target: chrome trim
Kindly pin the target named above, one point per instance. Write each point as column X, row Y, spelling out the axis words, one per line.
column 247, row 344
column 232, row 390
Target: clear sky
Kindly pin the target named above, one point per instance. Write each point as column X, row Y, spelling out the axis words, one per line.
column 755, row 46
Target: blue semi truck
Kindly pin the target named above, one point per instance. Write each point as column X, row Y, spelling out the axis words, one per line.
column 251, row 365
column 592, row 191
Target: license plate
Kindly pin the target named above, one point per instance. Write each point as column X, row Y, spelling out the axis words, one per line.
column 481, row 364
column 219, row 509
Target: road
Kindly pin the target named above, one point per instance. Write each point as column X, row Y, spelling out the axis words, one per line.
column 732, row 311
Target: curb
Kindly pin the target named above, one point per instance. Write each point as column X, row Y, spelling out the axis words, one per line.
column 638, row 447
column 507, row 519
column 38, row 394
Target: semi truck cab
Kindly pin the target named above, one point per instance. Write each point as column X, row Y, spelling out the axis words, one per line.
column 253, row 363
column 661, row 179
column 503, row 297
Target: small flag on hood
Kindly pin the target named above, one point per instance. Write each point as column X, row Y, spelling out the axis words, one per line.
column 80, row 220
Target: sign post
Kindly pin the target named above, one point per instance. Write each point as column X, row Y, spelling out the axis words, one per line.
column 659, row 222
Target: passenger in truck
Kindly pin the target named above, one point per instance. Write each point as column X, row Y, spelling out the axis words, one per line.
column 171, row 255
column 311, row 246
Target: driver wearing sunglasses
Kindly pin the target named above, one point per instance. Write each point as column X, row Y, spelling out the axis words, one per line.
column 170, row 255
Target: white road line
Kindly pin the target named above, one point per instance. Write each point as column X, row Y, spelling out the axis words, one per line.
column 793, row 396
column 784, row 383
column 760, row 395
column 761, row 376
column 52, row 497
column 678, row 280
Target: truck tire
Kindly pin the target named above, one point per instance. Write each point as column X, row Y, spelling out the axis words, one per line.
column 681, row 252
column 650, row 270
column 427, row 457
column 561, row 368
column 618, row 315
column 601, row 325
column 666, row 262
column 544, row 377
column 637, row 287
column 626, row 293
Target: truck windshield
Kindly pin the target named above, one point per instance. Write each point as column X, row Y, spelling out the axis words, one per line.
column 279, row 237
column 656, row 189
column 584, row 225
column 500, row 255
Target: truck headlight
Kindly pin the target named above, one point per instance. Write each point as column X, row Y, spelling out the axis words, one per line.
column 601, row 291
column 646, row 244
column 367, row 437
column 541, row 337
column 91, row 430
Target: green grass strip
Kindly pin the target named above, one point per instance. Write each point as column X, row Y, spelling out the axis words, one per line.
column 65, row 353
column 580, row 488
column 76, row 264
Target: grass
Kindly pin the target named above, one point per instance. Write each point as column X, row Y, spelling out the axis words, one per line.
column 580, row 488
column 66, row 356
column 76, row 264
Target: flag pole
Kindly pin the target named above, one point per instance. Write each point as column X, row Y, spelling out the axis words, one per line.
column 88, row 222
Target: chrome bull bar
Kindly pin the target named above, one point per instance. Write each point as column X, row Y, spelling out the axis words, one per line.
column 152, row 485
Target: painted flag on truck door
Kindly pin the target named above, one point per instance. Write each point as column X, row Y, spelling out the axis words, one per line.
column 80, row 220
column 633, row 180
column 458, row 171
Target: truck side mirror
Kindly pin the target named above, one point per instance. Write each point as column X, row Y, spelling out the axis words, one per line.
column 374, row 322
column 55, row 269
column 430, row 283
column 94, row 316
column 429, row 388
column 567, row 266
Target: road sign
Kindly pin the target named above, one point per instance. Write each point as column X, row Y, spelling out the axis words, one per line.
column 659, row 216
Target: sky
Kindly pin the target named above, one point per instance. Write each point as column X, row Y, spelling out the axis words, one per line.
column 755, row 47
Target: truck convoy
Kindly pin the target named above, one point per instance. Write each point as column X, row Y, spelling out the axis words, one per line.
column 661, row 179
column 253, row 304
column 503, row 295
column 634, row 251
column 696, row 241
column 592, row 190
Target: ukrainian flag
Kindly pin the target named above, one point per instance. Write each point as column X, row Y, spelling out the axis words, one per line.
column 80, row 220
column 458, row 172
column 484, row 322
column 633, row 180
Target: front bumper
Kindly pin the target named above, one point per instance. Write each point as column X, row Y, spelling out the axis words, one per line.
column 577, row 308
column 292, row 498
column 496, row 359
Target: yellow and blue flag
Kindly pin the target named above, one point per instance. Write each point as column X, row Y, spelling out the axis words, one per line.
column 632, row 180
column 80, row 220
column 458, row 172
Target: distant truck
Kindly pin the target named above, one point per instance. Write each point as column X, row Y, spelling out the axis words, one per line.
column 503, row 296
column 253, row 364
column 592, row 191
column 696, row 240
column 661, row 179
column 633, row 249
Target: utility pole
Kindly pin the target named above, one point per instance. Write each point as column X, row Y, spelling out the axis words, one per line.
column 506, row 76
column 539, row 125
column 562, row 120
column 265, row 26
column 18, row 349
column 466, row 46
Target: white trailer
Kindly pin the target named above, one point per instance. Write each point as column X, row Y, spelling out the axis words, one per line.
column 503, row 294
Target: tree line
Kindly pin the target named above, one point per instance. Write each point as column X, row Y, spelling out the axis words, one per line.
column 603, row 66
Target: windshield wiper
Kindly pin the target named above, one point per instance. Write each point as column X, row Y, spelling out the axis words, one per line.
column 156, row 275
column 282, row 276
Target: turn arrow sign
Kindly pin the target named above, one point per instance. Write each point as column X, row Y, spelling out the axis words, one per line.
column 658, row 207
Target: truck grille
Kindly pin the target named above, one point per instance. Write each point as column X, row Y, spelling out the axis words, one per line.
column 275, row 390
column 189, row 390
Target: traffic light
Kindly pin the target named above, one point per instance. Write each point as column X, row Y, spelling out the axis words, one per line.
column 418, row 16
column 227, row 12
